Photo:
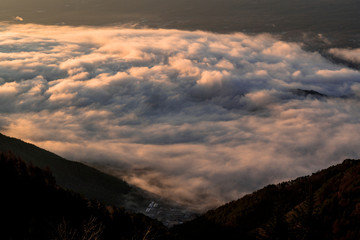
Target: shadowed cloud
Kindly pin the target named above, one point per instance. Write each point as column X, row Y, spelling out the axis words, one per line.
column 197, row 117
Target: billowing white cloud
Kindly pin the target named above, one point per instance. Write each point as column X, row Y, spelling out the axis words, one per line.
column 198, row 117
column 352, row 55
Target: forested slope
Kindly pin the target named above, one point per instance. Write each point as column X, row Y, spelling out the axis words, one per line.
column 32, row 206
column 78, row 177
column 325, row 205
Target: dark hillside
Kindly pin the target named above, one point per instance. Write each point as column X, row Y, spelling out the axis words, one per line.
column 77, row 176
column 94, row 184
column 32, row 206
column 325, row 205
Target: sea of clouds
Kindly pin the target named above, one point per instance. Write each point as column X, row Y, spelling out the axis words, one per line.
column 197, row 117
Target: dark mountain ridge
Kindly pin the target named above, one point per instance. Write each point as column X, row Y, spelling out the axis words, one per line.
column 76, row 176
column 95, row 184
column 32, row 206
column 325, row 205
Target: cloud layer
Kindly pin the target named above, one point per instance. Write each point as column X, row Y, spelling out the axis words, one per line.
column 197, row 117
column 352, row 55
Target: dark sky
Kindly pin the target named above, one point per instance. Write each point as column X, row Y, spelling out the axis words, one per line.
column 325, row 16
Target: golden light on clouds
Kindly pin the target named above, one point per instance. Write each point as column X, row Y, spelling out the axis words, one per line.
column 193, row 116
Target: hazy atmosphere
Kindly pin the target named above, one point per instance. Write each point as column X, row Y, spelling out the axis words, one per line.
column 201, row 118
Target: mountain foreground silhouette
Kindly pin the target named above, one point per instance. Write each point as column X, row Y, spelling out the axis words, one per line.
column 325, row 205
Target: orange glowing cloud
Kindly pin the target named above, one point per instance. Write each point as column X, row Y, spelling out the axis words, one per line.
column 197, row 117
